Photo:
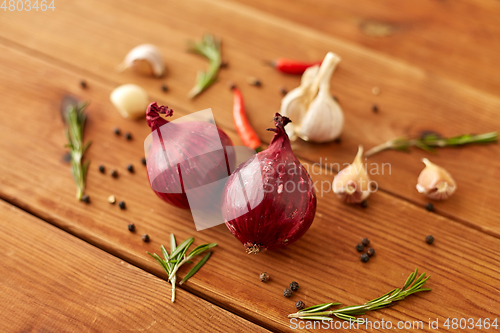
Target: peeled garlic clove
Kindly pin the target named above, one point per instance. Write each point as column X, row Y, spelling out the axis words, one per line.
column 130, row 100
column 145, row 59
column 435, row 182
column 352, row 183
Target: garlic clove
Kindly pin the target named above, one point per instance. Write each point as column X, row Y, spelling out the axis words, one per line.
column 351, row 184
column 435, row 182
column 145, row 59
column 309, row 75
column 292, row 106
column 130, row 100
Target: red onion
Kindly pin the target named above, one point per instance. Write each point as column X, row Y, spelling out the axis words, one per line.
column 269, row 201
column 185, row 156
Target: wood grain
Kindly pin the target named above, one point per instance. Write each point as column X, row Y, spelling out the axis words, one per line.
column 436, row 36
column 462, row 262
column 412, row 99
column 54, row 282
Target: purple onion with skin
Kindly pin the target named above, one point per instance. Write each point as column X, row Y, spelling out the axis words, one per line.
column 269, row 201
column 186, row 156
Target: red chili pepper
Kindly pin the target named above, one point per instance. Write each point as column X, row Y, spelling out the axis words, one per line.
column 243, row 127
column 292, row 66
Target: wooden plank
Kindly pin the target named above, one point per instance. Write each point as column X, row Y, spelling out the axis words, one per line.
column 462, row 262
column 434, row 35
column 412, row 100
column 54, row 282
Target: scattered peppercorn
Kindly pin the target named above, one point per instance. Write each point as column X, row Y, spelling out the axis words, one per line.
column 299, row 305
column 335, row 98
column 117, row 131
column 360, row 247
column 164, row 88
column 224, row 64
column 264, row 277
column 121, row 204
column 128, row 136
column 67, row 157
column 375, row 108
column 254, row 82
column 370, row 252
column 143, row 161
column 364, row 257
column 145, row 238
column 283, row 91
column 130, row 168
column 294, row 286
column 287, row 292
column 231, row 85
column 429, row 239
column 429, row 206
column 112, row 199
column 365, row 241
column 85, row 198
column 131, row 227
column 102, row 169
column 338, row 140
column 83, row 84
column 364, row 204
column 114, row 173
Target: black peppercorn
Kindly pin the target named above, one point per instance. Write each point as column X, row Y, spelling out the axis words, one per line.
column 364, row 257
column 121, row 204
column 254, row 81
column 145, row 238
column 294, row 286
column 364, row 203
column 231, row 85
column 117, row 131
column 429, row 207
column 130, row 168
column 335, row 98
column 224, row 64
column 114, row 173
column 164, row 88
column 365, row 241
column 131, row 227
column 283, row 91
column 375, row 108
column 85, row 198
column 102, row 169
column 287, row 292
column 429, row 239
column 128, row 136
column 143, row 161
column 370, row 252
column 299, row 305
column 360, row 247
column 338, row 140
column 83, row 84
column 264, row 277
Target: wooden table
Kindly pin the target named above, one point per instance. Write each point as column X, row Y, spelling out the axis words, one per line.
column 71, row 267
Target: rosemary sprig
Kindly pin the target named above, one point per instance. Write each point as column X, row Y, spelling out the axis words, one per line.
column 430, row 141
column 208, row 47
column 75, row 120
column 318, row 312
column 177, row 257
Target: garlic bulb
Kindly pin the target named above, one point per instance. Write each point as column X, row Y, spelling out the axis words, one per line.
column 130, row 100
column 145, row 59
column 352, row 184
column 435, row 182
column 315, row 115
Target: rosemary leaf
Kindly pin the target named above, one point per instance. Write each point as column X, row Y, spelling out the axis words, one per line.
column 186, row 244
column 319, row 307
column 173, row 243
column 196, row 267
